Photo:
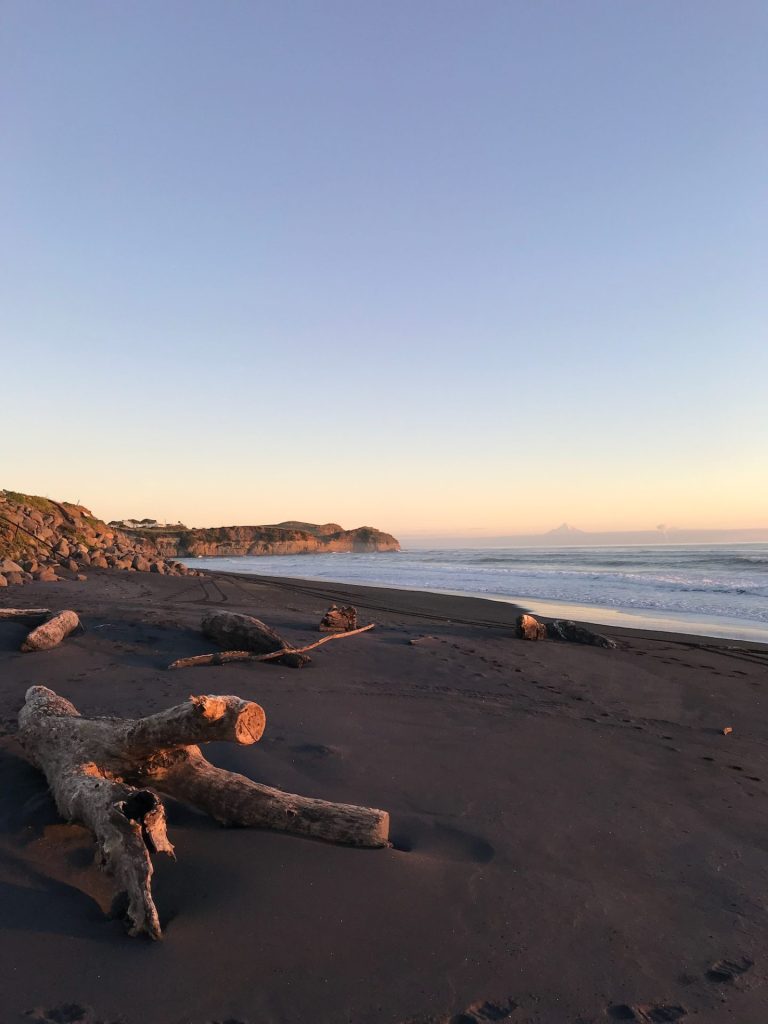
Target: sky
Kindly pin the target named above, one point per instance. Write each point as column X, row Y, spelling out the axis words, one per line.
column 428, row 266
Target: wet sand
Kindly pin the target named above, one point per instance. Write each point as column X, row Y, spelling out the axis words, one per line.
column 574, row 840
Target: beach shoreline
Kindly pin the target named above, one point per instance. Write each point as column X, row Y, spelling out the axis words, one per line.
column 618, row 622
column 695, row 590
column 573, row 835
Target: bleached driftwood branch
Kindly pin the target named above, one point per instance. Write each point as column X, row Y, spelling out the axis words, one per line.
column 225, row 657
column 25, row 615
column 100, row 770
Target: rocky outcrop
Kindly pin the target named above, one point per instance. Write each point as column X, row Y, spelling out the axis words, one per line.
column 42, row 539
column 284, row 539
column 47, row 540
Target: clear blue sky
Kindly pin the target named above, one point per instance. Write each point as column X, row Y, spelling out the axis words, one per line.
column 425, row 265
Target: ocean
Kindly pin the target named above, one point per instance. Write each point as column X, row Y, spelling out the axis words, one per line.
column 714, row 590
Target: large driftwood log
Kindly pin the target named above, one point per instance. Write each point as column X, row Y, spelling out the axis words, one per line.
column 51, row 632
column 225, row 657
column 237, row 632
column 99, row 770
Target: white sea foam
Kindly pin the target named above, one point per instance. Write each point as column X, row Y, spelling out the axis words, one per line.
column 725, row 584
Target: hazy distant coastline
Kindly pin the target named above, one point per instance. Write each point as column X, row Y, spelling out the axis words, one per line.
column 584, row 538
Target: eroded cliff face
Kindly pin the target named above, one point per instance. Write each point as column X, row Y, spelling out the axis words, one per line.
column 45, row 539
column 223, row 541
column 42, row 539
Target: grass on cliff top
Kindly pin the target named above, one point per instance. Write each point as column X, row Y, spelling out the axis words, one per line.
column 33, row 500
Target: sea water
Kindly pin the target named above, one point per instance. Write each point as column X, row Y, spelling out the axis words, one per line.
column 714, row 590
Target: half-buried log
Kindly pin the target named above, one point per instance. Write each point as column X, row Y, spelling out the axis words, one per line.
column 237, row 632
column 52, row 632
column 99, row 770
column 566, row 629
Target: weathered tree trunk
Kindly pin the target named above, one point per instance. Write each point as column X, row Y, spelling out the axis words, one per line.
column 237, row 632
column 98, row 770
column 225, row 657
column 52, row 632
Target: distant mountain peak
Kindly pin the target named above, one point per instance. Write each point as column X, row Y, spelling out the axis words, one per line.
column 563, row 528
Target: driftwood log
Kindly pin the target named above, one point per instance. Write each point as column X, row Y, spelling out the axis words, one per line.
column 530, row 628
column 99, row 771
column 27, row 616
column 51, row 632
column 237, row 632
column 226, row 657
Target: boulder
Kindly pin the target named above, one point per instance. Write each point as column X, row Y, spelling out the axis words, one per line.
column 158, row 567
column 99, row 562
column 140, row 564
column 62, row 548
column 45, row 575
column 14, row 577
column 529, row 628
column 8, row 565
column 3, row 581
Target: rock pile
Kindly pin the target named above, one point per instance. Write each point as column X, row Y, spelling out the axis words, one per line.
column 48, row 540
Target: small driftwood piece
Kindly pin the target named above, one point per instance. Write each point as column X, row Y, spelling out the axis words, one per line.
column 339, row 620
column 237, row 632
column 27, row 616
column 99, row 770
column 225, row 657
column 51, row 632
column 529, row 628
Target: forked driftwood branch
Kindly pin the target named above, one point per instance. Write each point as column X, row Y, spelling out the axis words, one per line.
column 225, row 657
column 99, row 771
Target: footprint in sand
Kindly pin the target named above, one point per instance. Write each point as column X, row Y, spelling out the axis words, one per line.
column 441, row 841
column 647, row 1013
column 67, row 1013
column 315, row 750
column 485, row 1011
column 726, row 971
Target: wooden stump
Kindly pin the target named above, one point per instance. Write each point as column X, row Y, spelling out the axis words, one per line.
column 339, row 620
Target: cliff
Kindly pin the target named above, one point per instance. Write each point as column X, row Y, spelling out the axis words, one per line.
column 41, row 535
column 283, row 539
column 49, row 540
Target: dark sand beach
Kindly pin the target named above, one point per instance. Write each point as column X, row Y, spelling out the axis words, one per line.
column 574, row 839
